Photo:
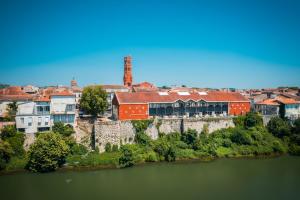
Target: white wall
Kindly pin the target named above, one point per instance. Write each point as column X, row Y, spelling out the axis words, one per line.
column 59, row 104
column 292, row 111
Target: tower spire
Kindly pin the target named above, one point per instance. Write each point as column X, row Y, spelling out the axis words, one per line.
column 127, row 79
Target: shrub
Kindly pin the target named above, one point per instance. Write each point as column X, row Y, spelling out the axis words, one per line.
column 8, row 131
column 16, row 142
column 65, row 130
column 241, row 137
column 115, row 148
column 141, row 125
column 205, row 129
column 47, row 153
column 294, row 149
column 6, row 153
column 142, row 138
column 126, row 158
column 189, row 137
column 108, row 147
column 278, row 147
column 279, row 127
column 296, row 127
column 253, row 119
column 239, row 121
column 78, row 149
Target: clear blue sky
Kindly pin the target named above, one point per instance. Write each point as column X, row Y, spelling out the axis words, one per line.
column 243, row 44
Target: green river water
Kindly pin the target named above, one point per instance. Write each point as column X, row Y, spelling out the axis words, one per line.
column 273, row 178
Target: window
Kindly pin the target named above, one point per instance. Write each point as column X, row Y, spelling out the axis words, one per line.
column 39, row 121
column 30, row 121
column 47, row 121
column 22, row 120
column 70, row 107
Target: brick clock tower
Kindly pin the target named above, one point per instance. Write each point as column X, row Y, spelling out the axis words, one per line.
column 127, row 79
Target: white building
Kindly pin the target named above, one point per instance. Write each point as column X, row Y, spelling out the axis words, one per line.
column 33, row 116
column 62, row 107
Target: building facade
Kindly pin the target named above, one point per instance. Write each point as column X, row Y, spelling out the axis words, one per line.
column 127, row 79
column 33, row 116
column 63, row 107
column 143, row 105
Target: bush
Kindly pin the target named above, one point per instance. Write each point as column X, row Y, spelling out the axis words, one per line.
column 278, row 147
column 141, row 125
column 78, row 149
column 142, row 138
column 253, row 119
column 47, row 153
column 16, row 142
column 115, row 148
column 239, row 121
column 279, row 127
column 8, row 131
column 126, row 158
column 65, row 130
column 189, row 137
column 6, row 153
column 108, row 147
column 296, row 127
column 241, row 137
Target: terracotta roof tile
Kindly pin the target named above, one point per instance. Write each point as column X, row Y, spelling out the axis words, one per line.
column 271, row 102
column 145, row 97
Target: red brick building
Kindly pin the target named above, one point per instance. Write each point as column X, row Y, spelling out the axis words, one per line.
column 142, row 105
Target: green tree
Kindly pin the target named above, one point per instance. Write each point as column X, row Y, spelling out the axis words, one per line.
column 12, row 109
column 6, row 153
column 47, row 153
column 17, row 142
column 253, row 119
column 241, row 137
column 65, row 130
column 296, row 127
column 279, row 127
column 108, row 147
column 142, row 138
column 8, row 131
column 189, row 136
column 93, row 100
column 126, row 158
column 115, row 148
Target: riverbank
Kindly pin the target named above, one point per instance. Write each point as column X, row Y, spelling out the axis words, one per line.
column 225, row 178
column 76, row 168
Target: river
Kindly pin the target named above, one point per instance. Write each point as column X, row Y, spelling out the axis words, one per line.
column 272, row 178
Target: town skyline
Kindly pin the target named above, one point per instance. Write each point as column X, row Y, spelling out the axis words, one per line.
column 196, row 43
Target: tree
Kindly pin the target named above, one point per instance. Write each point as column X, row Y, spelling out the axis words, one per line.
column 253, row 119
column 47, row 153
column 12, row 109
column 279, row 127
column 126, row 158
column 8, row 131
column 296, row 127
column 142, row 138
column 108, row 147
column 241, row 137
column 5, row 153
column 189, row 136
column 65, row 130
column 93, row 100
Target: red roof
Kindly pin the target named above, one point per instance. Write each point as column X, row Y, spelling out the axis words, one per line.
column 165, row 97
column 271, row 102
column 14, row 93
column 285, row 100
column 62, row 93
column 42, row 99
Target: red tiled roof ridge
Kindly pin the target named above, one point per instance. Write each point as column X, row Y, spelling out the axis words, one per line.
column 145, row 97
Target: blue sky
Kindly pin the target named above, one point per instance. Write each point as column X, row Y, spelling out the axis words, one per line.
column 242, row 44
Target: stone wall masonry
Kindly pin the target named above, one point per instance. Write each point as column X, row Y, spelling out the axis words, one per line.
column 212, row 123
column 113, row 132
column 123, row 132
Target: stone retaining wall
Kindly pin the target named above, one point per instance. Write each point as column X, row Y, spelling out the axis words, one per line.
column 123, row 132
